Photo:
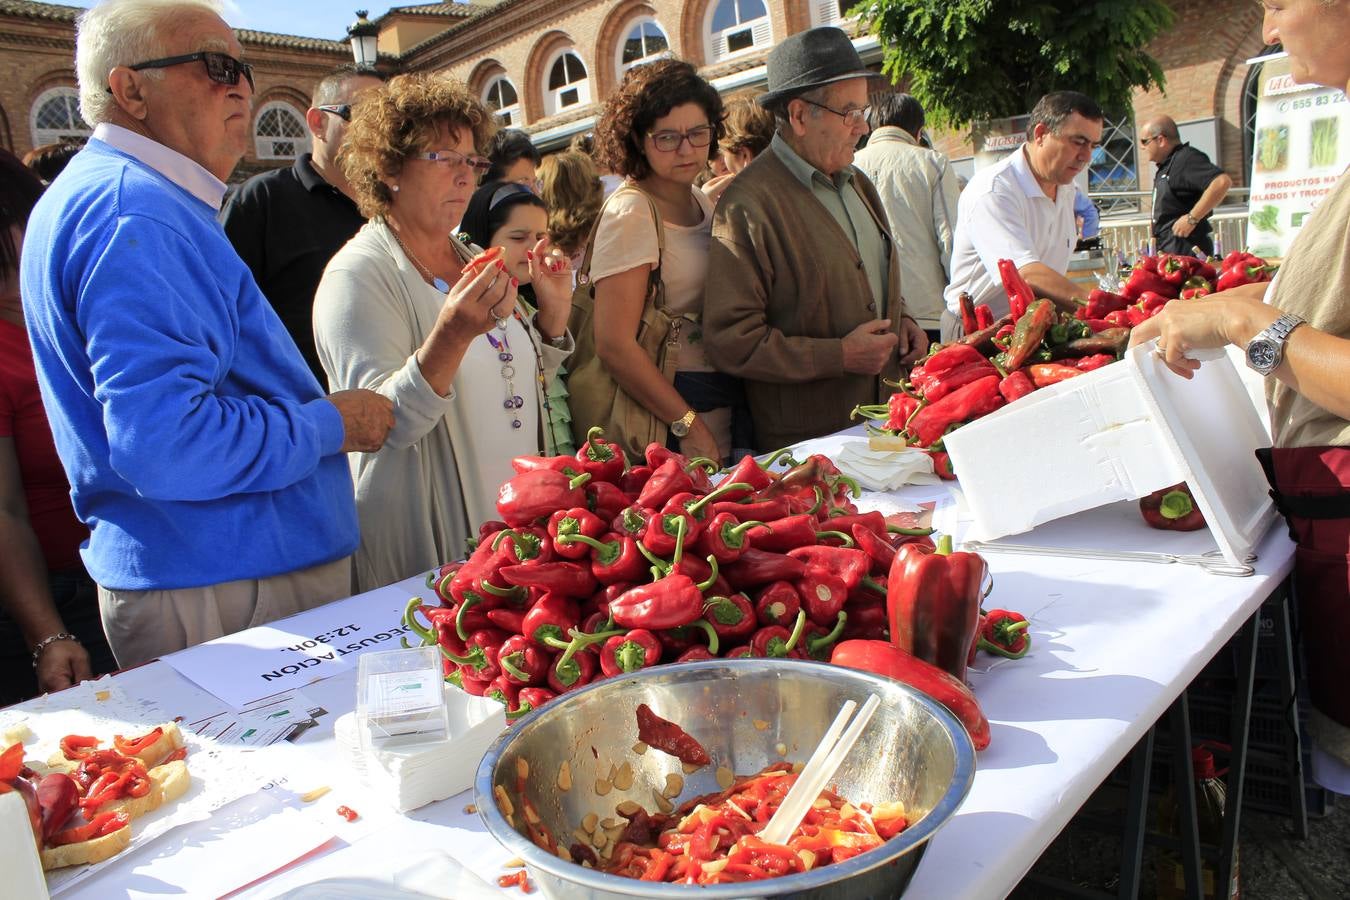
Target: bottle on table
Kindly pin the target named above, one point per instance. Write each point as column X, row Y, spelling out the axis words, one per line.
column 1211, row 794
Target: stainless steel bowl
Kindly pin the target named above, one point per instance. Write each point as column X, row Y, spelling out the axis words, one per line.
column 747, row 713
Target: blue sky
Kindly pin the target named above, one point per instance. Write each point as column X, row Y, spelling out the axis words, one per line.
column 310, row 18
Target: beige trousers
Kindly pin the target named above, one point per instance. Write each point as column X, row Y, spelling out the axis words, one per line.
column 144, row 625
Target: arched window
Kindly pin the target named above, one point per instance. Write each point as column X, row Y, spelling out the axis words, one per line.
column 566, row 85
column 279, row 132
column 501, row 98
column 645, row 42
column 831, row 12
column 56, row 117
column 735, row 26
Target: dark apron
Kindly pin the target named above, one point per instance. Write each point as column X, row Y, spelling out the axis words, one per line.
column 1311, row 489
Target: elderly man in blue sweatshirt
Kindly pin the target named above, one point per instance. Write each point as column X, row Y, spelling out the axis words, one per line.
column 202, row 453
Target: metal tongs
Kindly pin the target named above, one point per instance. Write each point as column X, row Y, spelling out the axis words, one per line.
column 1212, row 561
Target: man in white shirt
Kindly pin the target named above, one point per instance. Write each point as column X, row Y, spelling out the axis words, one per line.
column 1022, row 209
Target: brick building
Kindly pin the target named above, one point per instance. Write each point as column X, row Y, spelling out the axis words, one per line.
column 546, row 65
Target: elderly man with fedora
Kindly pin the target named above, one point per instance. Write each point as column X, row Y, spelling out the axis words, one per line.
column 803, row 291
column 202, row 453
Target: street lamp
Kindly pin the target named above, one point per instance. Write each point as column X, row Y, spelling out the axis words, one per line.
column 365, row 36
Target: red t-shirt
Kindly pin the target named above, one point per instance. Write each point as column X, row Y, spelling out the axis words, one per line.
column 45, row 486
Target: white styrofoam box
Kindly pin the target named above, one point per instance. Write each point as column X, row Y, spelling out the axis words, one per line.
column 1120, row 433
column 18, row 850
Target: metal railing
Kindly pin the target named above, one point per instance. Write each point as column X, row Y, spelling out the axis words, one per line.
column 1131, row 230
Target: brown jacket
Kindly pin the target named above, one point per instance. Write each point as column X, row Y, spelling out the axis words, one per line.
column 785, row 285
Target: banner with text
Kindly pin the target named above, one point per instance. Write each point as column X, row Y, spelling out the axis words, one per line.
column 1302, row 145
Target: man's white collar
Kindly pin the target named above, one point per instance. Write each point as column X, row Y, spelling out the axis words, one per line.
column 182, row 171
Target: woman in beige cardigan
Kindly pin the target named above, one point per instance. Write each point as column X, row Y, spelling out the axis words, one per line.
column 467, row 369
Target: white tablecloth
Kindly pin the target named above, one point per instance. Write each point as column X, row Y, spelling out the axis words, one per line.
column 1114, row 644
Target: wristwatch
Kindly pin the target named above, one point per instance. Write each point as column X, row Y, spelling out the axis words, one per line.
column 680, row 427
column 1192, row 219
column 1265, row 352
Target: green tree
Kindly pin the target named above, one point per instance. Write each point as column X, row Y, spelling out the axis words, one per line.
column 969, row 60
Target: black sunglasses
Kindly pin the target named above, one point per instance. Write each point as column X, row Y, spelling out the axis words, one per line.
column 220, row 67
column 342, row 110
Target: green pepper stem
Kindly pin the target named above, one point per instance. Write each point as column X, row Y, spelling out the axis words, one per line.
column 708, row 465
column 876, row 412
column 847, row 539
column 581, row 640
column 737, row 531
column 716, row 494
column 475, row 659
column 712, row 579
column 774, row 457
column 511, row 668
column 813, row 645
column 1176, row 505
column 581, row 539
column 594, row 432
column 797, row 630
column 944, row 545
column 630, row 656
column 490, row 588
column 579, row 480
column 681, row 529
column 651, row 557
column 410, row 619
column 706, row 626
column 432, row 577
column 854, row 488
column 989, row 646
column 820, row 500
column 502, row 535
column 873, row 585
column 909, row 532
column 470, row 601
column 990, row 589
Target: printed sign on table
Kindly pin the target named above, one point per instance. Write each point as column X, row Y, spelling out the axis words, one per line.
column 1302, row 146
column 290, row 653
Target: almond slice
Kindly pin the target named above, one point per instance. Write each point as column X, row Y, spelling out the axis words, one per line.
column 565, row 777
column 725, row 777
column 623, row 779
column 674, row 784
column 311, row 796
column 589, row 822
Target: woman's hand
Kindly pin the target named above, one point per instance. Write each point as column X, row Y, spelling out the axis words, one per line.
column 62, row 664
column 716, row 186
column 700, row 442
column 1202, row 324
column 479, row 299
column 551, row 276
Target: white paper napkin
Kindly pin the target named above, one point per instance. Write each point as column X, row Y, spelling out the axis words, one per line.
column 883, row 470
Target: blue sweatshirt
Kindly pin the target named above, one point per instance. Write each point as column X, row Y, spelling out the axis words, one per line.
column 199, row 447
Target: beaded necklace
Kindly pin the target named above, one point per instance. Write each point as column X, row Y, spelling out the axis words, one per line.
column 427, row 275
column 513, row 402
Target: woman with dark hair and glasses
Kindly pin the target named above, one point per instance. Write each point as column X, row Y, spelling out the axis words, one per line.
column 399, row 311
column 509, row 215
column 659, row 130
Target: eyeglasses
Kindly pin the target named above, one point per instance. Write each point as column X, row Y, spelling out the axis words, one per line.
column 220, row 67
column 505, row 192
column 1079, row 141
column 1144, row 142
column 342, row 110
column 454, row 159
column 852, row 117
column 669, row 141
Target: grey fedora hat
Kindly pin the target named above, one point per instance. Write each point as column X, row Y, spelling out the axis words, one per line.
column 810, row 59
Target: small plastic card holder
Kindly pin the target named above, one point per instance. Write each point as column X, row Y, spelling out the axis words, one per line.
column 399, row 699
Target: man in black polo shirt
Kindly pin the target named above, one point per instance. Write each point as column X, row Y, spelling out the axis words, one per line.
column 1186, row 188
column 288, row 223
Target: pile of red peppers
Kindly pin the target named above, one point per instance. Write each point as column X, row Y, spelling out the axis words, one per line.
column 597, row 568
column 1035, row 346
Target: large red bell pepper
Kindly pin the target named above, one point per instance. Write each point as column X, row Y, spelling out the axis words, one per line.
column 1020, row 294
column 933, row 603
column 603, row 459
column 1172, row 509
column 884, row 658
column 538, row 493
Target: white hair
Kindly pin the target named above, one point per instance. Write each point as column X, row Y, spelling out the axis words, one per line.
column 121, row 33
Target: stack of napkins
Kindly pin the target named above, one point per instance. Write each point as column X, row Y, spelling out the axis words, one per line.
column 415, row 775
column 885, row 470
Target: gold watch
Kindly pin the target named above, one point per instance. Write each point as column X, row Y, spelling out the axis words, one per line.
column 680, row 427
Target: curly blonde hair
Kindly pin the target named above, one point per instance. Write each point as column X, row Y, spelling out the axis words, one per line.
column 399, row 119
column 570, row 185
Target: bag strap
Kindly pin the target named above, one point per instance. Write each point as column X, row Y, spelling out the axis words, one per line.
column 654, row 280
column 1302, row 506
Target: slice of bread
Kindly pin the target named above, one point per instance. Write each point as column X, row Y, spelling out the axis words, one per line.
column 153, row 755
column 167, row 783
column 84, row 852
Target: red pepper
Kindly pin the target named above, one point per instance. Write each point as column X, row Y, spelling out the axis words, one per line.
column 1015, row 386
column 957, row 378
column 667, row 529
column 528, row 700
column 614, row 558
column 1172, row 509
column 574, row 521
column 1120, row 319
column 522, row 662
column 605, row 500
column 677, row 640
column 966, row 304
column 1150, row 302
column 984, row 316
column 695, row 654
column 975, row 644
column 538, row 493
column 510, row 620
column 664, row 735
column 577, row 671
column 824, row 593
column 1175, row 268
column 567, row 578
column 564, row 465
column 603, row 459
column 657, row 454
column 667, row 480
column 623, row 653
column 819, row 640
column 756, row 567
column 776, row 642
column 1020, row 294
column 503, row 690
column 514, row 546
column 879, row 550
column 673, row 601
column 347, row 813
column 632, row 521
column 933, row 603
column 972, row 401
column 942, row 363
column 748, row 472
column 1100, row 303
column 58, row 797
column 73, row 746
column 899, row 409
column 1098, row 325
column 1095, row 361
column 883, row 658
column 777, row 604
column 731, row 616
column 1246, row 273
column 1004, row 633
column 1142, row 280
column 1196, row 287
column 725, row 537
column 549, row 621
column 520, row 879
column 760, row 510
column 1046, row 374
column 632, row 481
column 101, row 825
column 745, row 651
column 867, row 620
column 845, row 563
column 786, row 533
column 474, row 687
column 1028, row 333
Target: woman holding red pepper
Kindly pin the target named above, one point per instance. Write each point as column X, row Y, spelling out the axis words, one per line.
column 1296, row 332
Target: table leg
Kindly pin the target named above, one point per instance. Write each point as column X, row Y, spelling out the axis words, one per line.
column 1136, row 818
column 1284, row 649
column 1242, row 714
column 1183, row 780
